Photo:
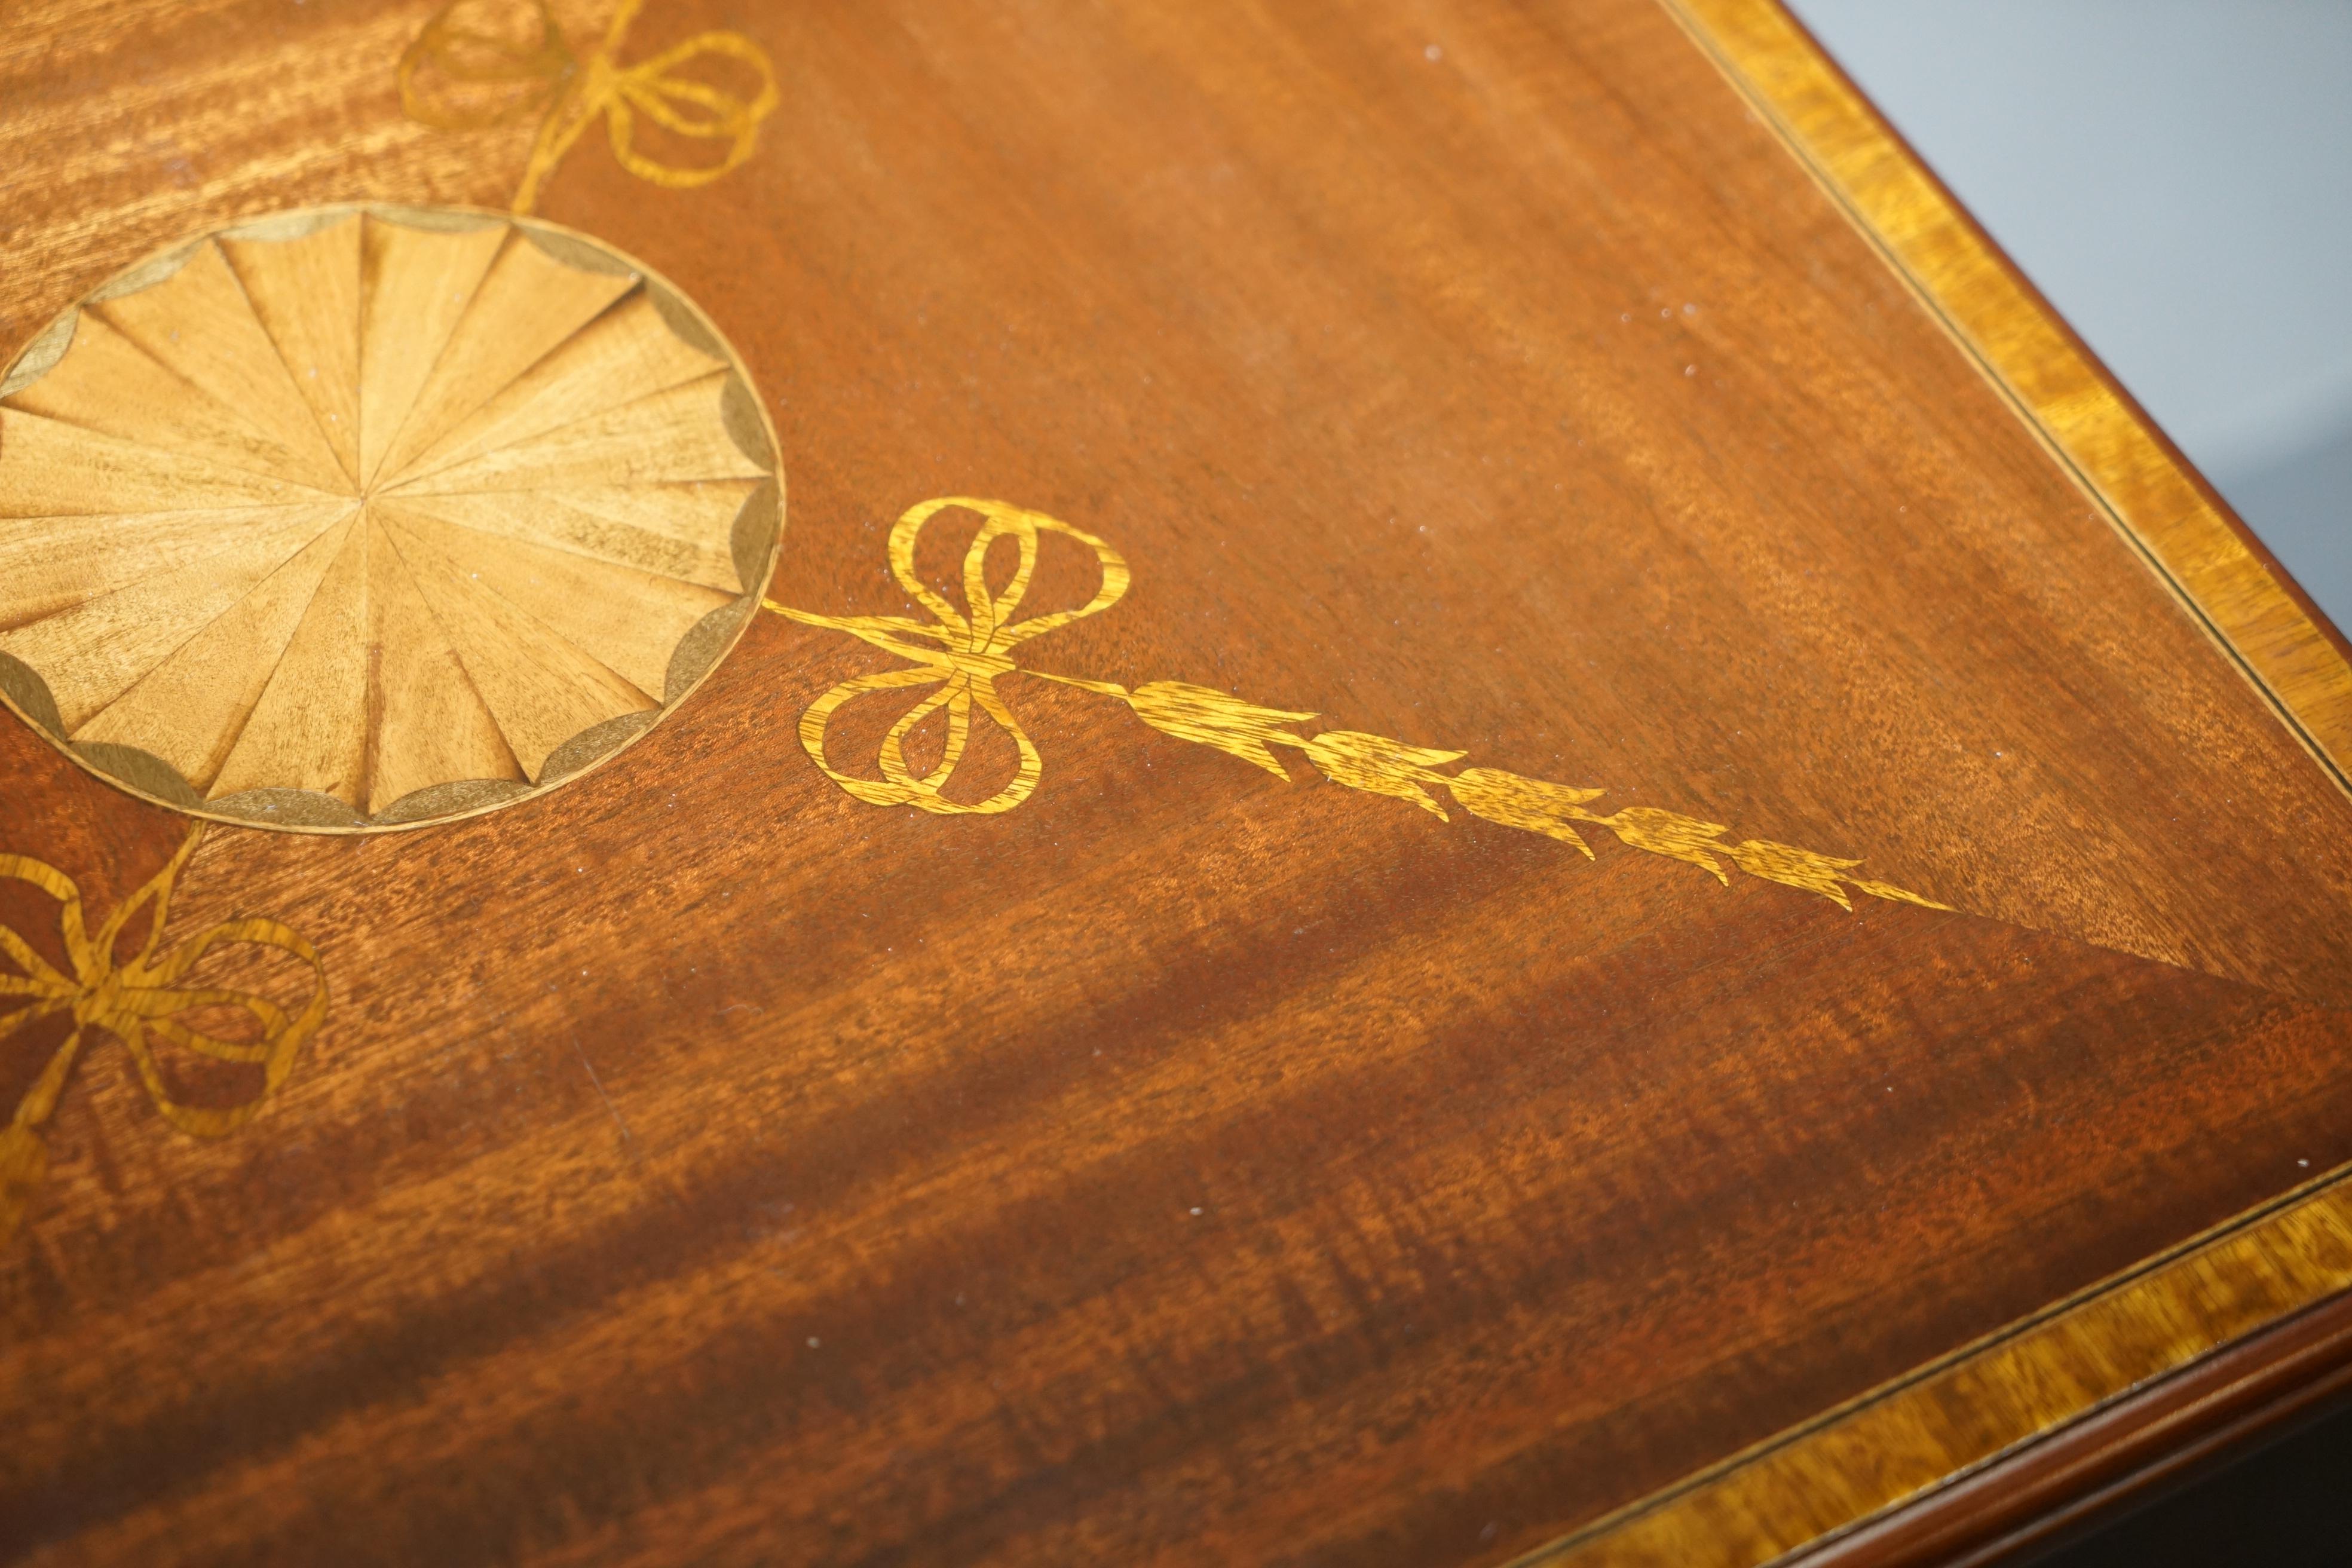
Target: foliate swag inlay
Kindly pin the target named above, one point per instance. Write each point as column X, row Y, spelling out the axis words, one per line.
column 957, row 658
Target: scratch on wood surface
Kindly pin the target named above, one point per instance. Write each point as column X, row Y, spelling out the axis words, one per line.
column 590, row 1069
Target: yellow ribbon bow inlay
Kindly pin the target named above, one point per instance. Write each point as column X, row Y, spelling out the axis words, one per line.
column 467, row 72
column 962, row 652
column 140, row 1004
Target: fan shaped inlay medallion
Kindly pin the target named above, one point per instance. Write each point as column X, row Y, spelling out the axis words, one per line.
column 369, row 517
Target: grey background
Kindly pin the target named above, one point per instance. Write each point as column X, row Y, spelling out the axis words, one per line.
column 2175, row 175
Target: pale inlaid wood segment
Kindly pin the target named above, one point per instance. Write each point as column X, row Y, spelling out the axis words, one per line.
column 199, row 322
column 108, row 385
column 51, row 564
column 527, row 303
column 627, row 353
column 356, row 518
column 418, row 283
column 50, row 468
column 431, row 726
column 91, row 653
column 310, row 730
column 632, row 619
column 191, row 708
column 671, row 436
column 670, row 531
column 306, row 292
column 542, row 689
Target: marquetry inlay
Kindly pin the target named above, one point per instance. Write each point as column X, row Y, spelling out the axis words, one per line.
column 360, row 518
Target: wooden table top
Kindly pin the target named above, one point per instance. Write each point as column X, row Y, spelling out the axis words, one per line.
column 1486, row 809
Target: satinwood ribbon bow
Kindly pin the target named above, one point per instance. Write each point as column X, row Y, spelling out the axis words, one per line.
column 964, row 653
column 961, row 652
column 141, row 1002
column 467, row 72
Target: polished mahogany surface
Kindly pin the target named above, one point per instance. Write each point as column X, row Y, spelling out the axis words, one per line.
column 697, row 1164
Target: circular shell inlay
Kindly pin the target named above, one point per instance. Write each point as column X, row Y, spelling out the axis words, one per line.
column 363, row 518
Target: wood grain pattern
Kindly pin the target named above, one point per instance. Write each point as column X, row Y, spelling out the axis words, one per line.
column 216, row 407
column 418, row 283
column 192, row 708
column 1990, row 1399
column 106, row 384
column 199, row 324
column 624, row 354
column 309, row 731
column 1191, row 1165
column 305, row 289
column 60, row 470
column 2221, row 570
column 52, row 563
column 434, row 726
column 2174, row 1431
column 1909, row 1442
column 526, row 306
column 94, row 651
column 634, row 620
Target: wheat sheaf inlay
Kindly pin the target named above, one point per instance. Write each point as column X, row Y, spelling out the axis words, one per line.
column 366, row 518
